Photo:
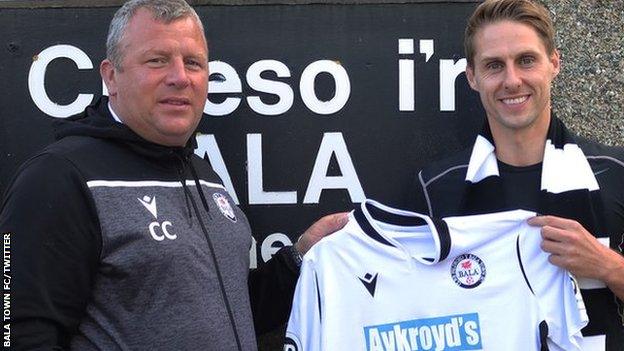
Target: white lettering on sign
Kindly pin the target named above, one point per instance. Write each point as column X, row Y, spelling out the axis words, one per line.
column 406, row 76
column 207, row 146
column 341, row 79
column 36, row 80
column 271, row 244
column 257, row 194
column 331, row 144
column 282, row 90
column 449, row 70
column 231, row 84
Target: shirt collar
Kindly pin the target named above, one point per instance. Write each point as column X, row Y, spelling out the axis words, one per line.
column 115, row 116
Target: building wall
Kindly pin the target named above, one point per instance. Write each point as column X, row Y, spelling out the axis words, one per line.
column 589, row 93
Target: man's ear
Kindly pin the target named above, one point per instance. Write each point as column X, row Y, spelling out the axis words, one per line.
column 108, row 73
column 471, row 77
column 555, row 60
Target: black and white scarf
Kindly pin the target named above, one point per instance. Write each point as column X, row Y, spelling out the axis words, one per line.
column 568, row 186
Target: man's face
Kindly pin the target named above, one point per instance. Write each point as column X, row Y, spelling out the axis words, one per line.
column 161, row 87
column 513, row 73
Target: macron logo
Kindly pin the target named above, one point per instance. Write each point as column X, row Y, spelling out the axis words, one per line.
column 370, row 282
column 149, row 204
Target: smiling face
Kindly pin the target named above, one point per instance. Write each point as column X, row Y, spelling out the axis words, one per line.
column 513, row 72
column 161, row 87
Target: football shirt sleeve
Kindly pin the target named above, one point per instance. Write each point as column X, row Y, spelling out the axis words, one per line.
column 556, row 291
column 304, row 325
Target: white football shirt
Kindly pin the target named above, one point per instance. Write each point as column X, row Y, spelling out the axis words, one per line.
column 397, row 280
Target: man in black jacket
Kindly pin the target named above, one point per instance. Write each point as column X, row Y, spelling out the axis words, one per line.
column 123, row 238
column 526, row 158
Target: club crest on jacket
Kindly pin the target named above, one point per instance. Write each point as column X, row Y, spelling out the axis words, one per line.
column 224, row 206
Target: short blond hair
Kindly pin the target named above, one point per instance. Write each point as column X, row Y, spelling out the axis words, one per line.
column 529, row 12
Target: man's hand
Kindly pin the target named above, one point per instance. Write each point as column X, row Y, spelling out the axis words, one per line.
column 573, row 248
column 321, row 228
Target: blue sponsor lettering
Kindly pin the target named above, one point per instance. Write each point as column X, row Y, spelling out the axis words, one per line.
column 447, row 333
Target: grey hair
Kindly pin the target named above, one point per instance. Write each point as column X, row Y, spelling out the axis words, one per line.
column 163, row 10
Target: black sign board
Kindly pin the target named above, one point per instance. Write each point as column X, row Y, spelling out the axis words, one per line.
column 312, row 108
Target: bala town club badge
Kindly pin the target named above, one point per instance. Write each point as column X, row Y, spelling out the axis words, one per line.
column 224, row 206
column 468, row 271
